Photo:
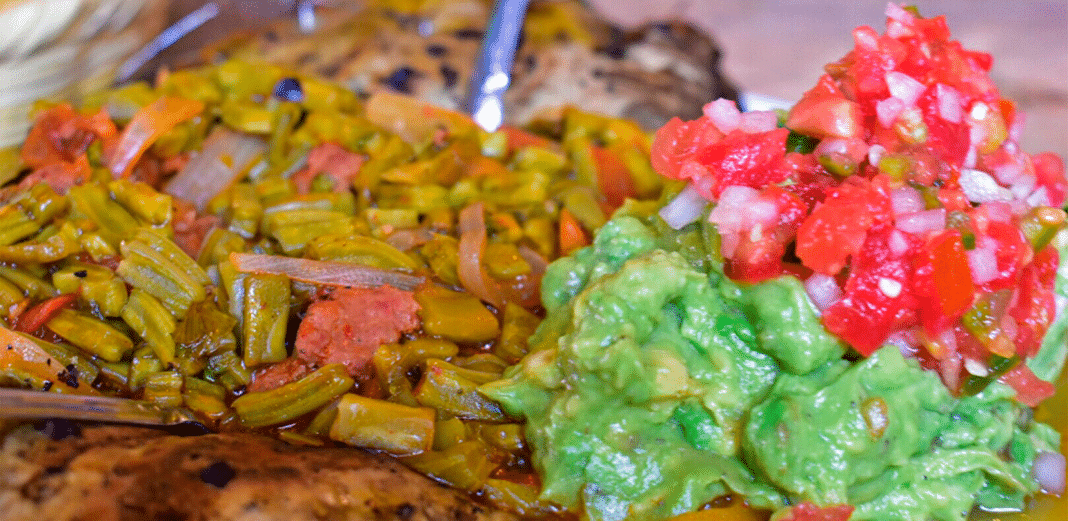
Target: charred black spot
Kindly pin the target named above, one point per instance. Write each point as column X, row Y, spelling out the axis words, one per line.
column 218, row 474
column 401, row 80
column 405, row 511
column 436, row 50
column 449, row 75
column 270, row 36
column 81, row 274
column 617, row 44
column 469, row 34
column 330, row 70
column 58, row 429
column 530, row 61
column 69, row 376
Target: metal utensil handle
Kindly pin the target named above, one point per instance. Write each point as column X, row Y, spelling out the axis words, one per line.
column 17, row 403
column 492, row 72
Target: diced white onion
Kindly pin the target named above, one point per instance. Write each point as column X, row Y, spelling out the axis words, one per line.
column 759, row 121
column 1060, row 304
column 898, row 243
column 919, row 223
column 897, row 13
column 1023, row 186
column 684, row 209
column 823, row 290
column 875, row 153
column 1049, row 471
column 888, row 110
column 983, row 263
column 1009, row 172
column 1038, row 198
column 979, row 187
column 949, row 103
column 904, row 87
column 998, row 211
column 724, row 114
column 906, row 200
column 979, row 111
column 976, row 367
column 889, row 287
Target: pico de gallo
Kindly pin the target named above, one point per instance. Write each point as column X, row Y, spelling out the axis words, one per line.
column 897, row 190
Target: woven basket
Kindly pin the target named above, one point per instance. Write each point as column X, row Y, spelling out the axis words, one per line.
column 64, row 49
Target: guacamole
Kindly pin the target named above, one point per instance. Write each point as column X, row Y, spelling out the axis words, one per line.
column 657, row 384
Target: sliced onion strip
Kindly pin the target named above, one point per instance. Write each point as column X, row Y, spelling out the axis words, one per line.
column 225, row 156
column 327, row 273
column 473, row 277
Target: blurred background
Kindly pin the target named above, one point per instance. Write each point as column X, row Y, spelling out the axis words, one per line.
column 779, row 48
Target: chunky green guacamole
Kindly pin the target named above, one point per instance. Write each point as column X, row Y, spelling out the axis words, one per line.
column 656, row 384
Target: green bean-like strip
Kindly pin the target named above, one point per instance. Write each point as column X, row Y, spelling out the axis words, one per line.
column 96, row 284
column 94, row 202
column 451, row 389
column 58, row 245
column 245, row 210
column 164, row 388
column 30, row 284
column 228, row 370
column 144, row 267
column 90, row 335
column 266, row 313
column 294, row 399
column 381, row 425
column 393, row 361
column 173, row 253
column 205, row 397
column 10, row 294
column 142, row 364
column 152, row 322
column 15, row 225
column 144, row 202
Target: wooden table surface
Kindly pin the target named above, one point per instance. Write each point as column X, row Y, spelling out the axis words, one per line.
column 779, row 48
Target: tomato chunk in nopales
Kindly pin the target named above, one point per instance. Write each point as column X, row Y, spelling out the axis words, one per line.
column 942, row 281
column 808, row 511
column 1034, row 305
column 878, row 299
column 837, row 228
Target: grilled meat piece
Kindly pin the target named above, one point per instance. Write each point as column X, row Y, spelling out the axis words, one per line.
column 109, row 473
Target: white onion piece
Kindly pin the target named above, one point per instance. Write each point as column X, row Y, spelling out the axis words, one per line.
column 906, row 200
column 899, row 14
column 724, row 114
column 823, row 290
column 1060, row 304
column 1038, row 198
column 875, row 153
column 983, row 264
column 998, row 211
column 949, row 103
column 888, row 110
column 684, row 209
column 757, row 121
column 1049, row 471
column 979, row 187
column 472, row 226
column 904, row 87
column 327, row 273
column 919, row 223
column 1008, row 172
column 1023, row 186
column 899, row 244
column 207, row 174
column 409, row 238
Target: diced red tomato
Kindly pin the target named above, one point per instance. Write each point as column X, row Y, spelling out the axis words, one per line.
column 1030, row 389
column 613, row 177
column 678, row 141
column 1012, row 250
column 836, row 229
column 1034, row 306
column 758, row 256
column 825, row 112
column 1049, row 172
column 878, row 297
column 946, row 140
column 808, row 511
column 943, row 281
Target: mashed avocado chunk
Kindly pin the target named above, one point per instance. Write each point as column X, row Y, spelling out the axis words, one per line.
column 656, row 384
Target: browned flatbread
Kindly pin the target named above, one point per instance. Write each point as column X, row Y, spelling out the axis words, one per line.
column 109, row 473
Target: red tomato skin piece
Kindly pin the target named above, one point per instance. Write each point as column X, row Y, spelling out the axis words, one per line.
column 943, row 282
column 808, row 511
column 1030, row 389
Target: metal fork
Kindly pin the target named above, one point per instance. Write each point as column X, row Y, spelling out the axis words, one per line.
column 18, row 403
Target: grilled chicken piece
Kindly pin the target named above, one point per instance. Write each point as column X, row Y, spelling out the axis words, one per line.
column 568, row 56
column 108, row 473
